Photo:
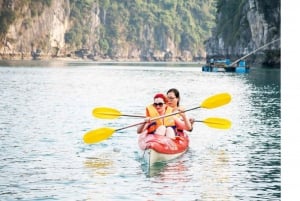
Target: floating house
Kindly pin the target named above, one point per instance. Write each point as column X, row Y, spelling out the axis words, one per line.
column 225, row 65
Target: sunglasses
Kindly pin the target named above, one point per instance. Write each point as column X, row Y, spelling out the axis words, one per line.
column 158, row 104
column 171, row 98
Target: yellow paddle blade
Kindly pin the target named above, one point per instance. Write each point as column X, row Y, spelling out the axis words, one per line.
column 215, row 122
column 216, row 101
column 98, row 135
column 106, row 113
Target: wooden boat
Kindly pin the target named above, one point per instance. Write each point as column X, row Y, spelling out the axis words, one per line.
column 158, row 148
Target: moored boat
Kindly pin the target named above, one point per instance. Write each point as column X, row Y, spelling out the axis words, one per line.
column 158, row 148
column 225, row 65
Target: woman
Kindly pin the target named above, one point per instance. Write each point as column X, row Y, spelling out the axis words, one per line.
column 163, row 126
column 173, row 98
column 173, row 101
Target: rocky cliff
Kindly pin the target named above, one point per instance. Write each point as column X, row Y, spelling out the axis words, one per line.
column 105, row 29
column 244, row 26
column 139, row 30
column 38, row 29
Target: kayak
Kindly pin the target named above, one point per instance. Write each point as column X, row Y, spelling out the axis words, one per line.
column 159, row 148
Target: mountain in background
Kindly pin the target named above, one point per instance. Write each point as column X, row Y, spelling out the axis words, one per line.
column 136, row 30
column 100, row 29
column 242, row 26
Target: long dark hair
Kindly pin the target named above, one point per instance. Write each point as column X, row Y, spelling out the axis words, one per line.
column 176, row 92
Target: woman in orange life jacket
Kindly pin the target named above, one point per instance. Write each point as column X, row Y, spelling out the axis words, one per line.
column 164, row 126
column 173, row 96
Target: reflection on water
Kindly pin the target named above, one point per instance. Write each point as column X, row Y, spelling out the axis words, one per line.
column 45, row 109
column 171, row 170
column 216, row 175
column 102, row 166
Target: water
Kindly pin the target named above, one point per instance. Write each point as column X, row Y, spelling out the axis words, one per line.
column 45, row 109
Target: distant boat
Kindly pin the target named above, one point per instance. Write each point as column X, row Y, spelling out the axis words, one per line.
column 225, row 65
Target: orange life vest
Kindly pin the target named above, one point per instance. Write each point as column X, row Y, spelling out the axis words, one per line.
column 167, row 121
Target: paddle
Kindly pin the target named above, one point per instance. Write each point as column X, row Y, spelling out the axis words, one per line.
column 101, row 134
column 211, row 102
column 110, row 113
column 215, row 122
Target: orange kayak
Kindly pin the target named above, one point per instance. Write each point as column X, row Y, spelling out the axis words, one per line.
column 158, row 148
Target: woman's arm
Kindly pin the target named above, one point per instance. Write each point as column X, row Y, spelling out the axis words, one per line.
column 143, row 126
column 184, row 123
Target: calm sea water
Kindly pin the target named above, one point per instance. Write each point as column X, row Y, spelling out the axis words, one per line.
column 45, row 109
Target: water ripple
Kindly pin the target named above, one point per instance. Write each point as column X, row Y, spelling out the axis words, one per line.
column 45, row 111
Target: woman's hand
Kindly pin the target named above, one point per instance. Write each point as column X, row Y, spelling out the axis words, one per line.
column 181, row 112
column 147, row 120
column 143, row 126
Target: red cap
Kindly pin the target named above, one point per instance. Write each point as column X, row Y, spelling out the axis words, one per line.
column 161, row 96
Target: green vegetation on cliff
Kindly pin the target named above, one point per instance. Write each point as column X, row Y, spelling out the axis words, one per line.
column 110, row 27
column 7, row 17
column 145, row 24
column 8, row 14
column 232, row 20
column 245, row 25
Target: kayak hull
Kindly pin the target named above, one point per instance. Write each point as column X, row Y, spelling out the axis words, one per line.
column 151, row 156
column 158, row 148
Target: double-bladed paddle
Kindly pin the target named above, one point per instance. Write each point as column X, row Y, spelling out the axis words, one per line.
column 101, row 134
column 210, row 103
column 216, row 122
column 110, row 113
column 215, row 101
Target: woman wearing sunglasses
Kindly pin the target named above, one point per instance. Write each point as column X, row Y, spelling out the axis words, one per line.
column 163, row 126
